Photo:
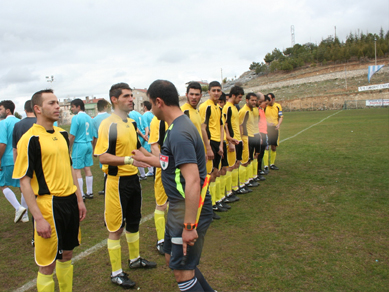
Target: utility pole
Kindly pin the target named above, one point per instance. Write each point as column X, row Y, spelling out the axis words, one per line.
column 335, row 33
column 375, row 50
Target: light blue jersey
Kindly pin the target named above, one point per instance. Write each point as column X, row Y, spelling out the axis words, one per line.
column 97, row 121
column 82, row 128
column 6, row 129
column 146, row 119
column 137, row 117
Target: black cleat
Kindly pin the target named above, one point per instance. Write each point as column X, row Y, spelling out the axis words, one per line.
column 123, row 281
column 225, row 205
column 247, row 189
column 160, row 247
column 252, row 184
column 88, row 196
column 215, row 216
column 261, row 177
column 141, row 263
column 242, row 191
column 266, row 170
column 101, row 192
column 218, row 208
column 273, row 167
column 261, row 172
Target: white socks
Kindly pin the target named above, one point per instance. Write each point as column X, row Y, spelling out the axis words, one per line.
column 10, row 195
column 81, row 185
column 89, row 184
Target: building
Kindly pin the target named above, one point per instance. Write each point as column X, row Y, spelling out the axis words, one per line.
column 140, row 95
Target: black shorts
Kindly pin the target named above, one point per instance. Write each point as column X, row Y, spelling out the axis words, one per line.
column 224, row 159
column 173, row 235
column 254, row 145
column 216, row 157
column 273, row 135
column 239, row 151
column 264, row 142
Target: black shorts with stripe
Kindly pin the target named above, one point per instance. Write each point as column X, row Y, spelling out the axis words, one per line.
column 224, row 159
column 239, row 151
column 216, row 157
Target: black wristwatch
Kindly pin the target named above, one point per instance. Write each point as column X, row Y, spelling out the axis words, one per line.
column 189, row 226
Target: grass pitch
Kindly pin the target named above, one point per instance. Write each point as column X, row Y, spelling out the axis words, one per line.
column 320, row 223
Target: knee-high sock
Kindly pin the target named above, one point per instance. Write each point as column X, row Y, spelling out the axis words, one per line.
column 222, row 187
column 45, row 283
column 242, row 175
column 64, row 272
column 272, row 157
column 159, row 220
column 141, row 171
column 203, row 282
column 228, row 182
column 10, row 196
column 266, row 158
column 192, row 285
column 217, row 192
column 89, row 184
column 151, row 170
column 235, row 179
column 81, row 185
column 249, row 169
column 115, row 255
column 255, row 167
column 212, row 191
column 133, row 245
column 23, row 202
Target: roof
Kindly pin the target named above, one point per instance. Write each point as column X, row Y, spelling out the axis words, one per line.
column 141, row 90
column 201, row 82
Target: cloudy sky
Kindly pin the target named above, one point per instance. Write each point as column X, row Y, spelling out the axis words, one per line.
column 89, row 45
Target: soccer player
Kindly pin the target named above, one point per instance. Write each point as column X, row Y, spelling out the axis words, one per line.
column 262, row 126
column 137, row 117
column 146, row 121
column 246, row 120
column 81, row 137
column 7, row 108
column 274, row 119
column 183, row 166
column 123, row 195
column 102, row 108
column 234, row 141
column 44, row 168
column 157, row 134
column 211, row 118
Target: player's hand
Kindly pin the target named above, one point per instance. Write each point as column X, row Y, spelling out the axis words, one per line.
column 234, row 141
column 140, row 163
column 277, row 127
column 43, row 228
column 210, row 155
column 138, row 155
column 188, row 238
column 231, row 147
column 146, row 138
column 81, row 210
column 220, row 152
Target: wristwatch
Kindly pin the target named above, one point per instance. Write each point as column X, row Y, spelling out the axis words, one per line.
column 189, row 226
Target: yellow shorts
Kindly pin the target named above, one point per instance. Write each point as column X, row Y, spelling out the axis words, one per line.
column 159, row 190
column 231, row 156
column 245, row 152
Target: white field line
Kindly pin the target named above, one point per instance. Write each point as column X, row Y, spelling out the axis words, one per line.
column 309, row 127
column 89, row 251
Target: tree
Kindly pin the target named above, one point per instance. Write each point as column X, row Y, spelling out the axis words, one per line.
column 16, row 114
column 204, row 88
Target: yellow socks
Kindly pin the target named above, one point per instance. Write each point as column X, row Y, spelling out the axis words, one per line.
column 217, row 193
column 228, row 182
column 222, row 187
column 255, row 167
column 266, row 158
column 212, row 191
column 115, row 254
column 64, row 272
column 235, row 179
column 159, row 220
column 133, row 245
column 242, row 175
column 272, row 157
column 45, row 283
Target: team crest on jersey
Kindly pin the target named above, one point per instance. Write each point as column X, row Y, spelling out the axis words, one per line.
column 164, row 161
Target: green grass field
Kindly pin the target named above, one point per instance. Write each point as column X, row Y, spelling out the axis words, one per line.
column 320, row 223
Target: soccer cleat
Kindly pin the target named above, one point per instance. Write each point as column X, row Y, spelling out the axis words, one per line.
column 252, row 184
column 215, row 216
column 142, row 178
column 218, row 208
column 160, row 247
column 149, row 174
column 247, row 189
column 88, row 196
column 233, row 197
column 123, row 281
column 25, row 218
column 261, row 178
column 19, row 213
column 266, row 170
column 230, row 199
column 225, row 205
column 141, row 263
column 32, row 242
column 261, row 172
column 101, row 192
column 273, row 167
column 257, row 179
column 241, row 191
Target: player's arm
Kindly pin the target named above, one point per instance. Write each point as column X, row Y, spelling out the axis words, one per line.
column 155, row 149
column 2, row 150
column 42, row 227
column 71, row 142
column 80, row 201
column 279, row 122
column 146, row 134
column 210, row 155
column 190, row 172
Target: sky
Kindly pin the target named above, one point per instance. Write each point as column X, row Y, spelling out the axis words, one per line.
column 90, row 45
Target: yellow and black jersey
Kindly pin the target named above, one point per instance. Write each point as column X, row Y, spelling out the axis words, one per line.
column 158, row 129
column 210, row 114
column 44, row 157
column 224, row 117
column 118, row 137
column 246, row 120
column 232, row 120
column 273, row 113
column 193, row 115
column 256, row 120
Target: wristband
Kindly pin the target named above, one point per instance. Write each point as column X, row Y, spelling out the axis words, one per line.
column 128, row 160
column 190, row 226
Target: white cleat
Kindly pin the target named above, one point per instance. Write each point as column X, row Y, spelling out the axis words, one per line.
column 19, row 213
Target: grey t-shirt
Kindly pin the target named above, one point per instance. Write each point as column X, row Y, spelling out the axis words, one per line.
column 20, row 128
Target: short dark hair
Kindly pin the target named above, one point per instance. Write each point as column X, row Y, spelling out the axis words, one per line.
column 214, row 84
column 249, row 95
column 236, row 90
column 165, row 90
column 78, row 103
column 101, row 104
column 147, row 104
column 271, row 95
column 116, row 90
column 8, row 104
column 267, row 98
column 222, row 97
column 193, row 85
column 28, row 107
column 36, row 98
